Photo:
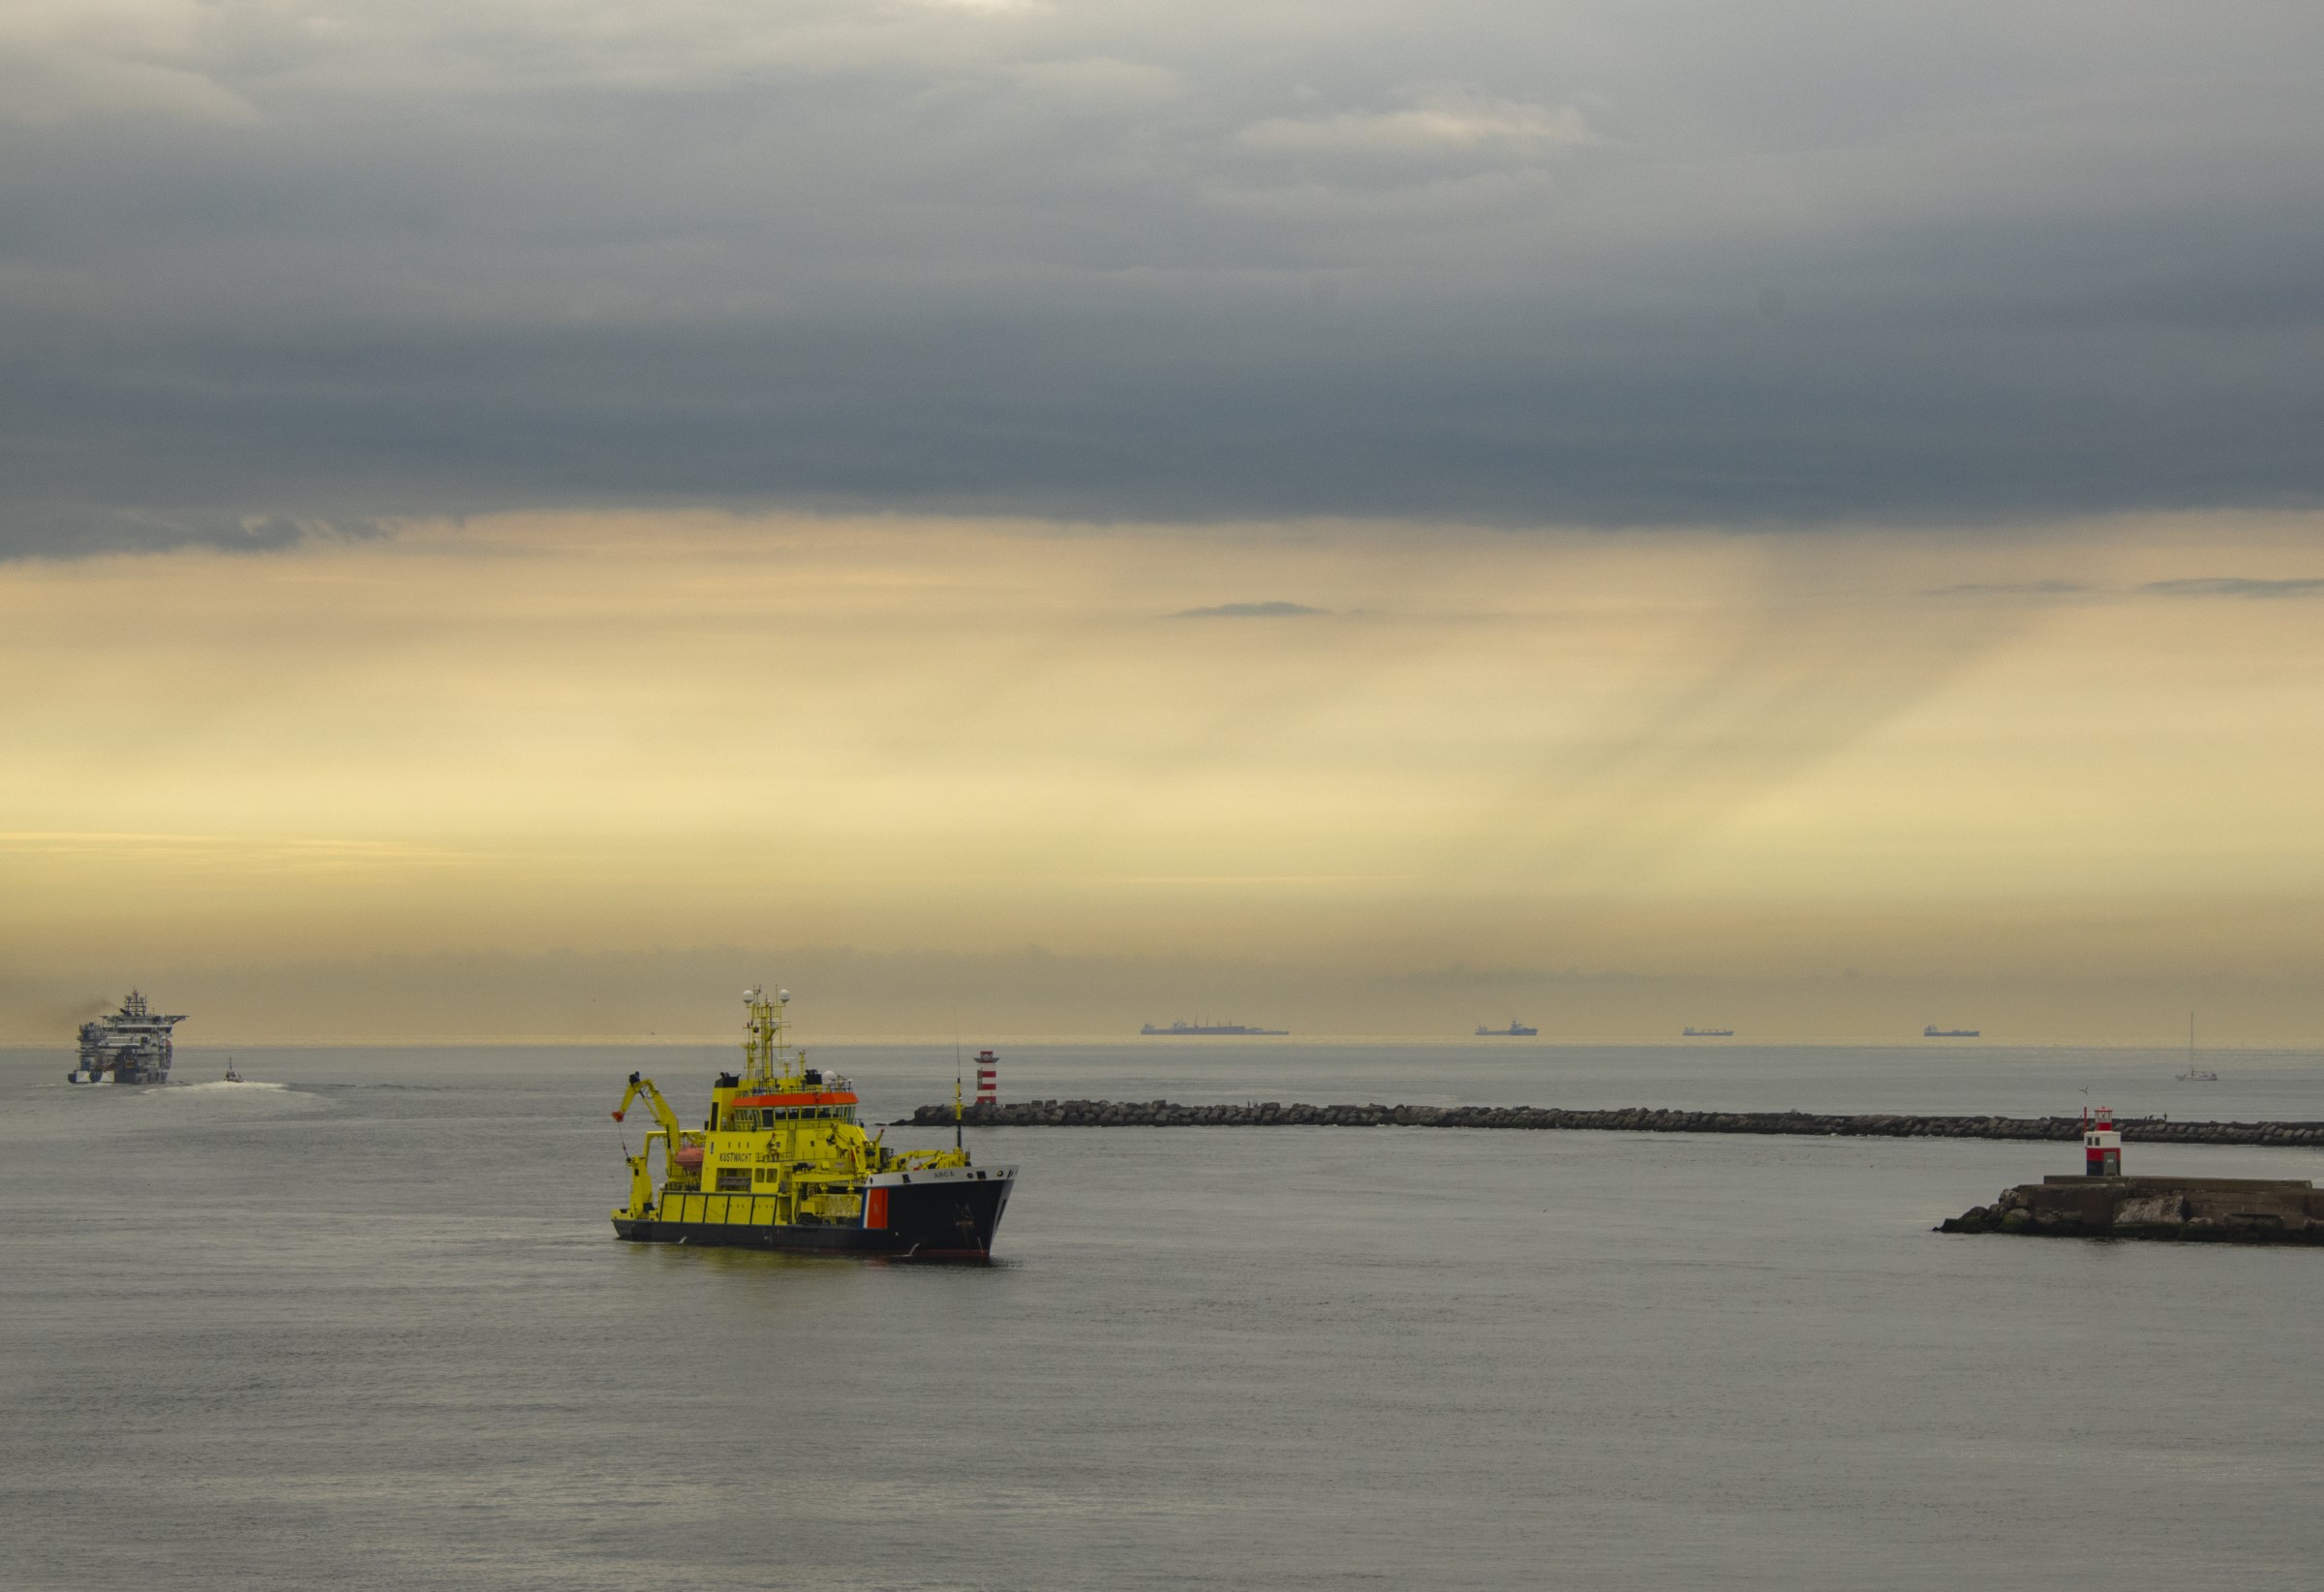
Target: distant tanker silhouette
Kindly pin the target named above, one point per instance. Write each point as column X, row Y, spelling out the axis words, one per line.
column 1183, row 1027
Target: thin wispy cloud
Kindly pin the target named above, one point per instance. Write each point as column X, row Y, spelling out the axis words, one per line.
column 2236, row 586
column 1441, row 132
column 1251, row 610
column 2202, row 586
column 2009, row 588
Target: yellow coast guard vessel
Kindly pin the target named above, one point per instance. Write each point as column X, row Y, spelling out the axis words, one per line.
column 782, row 1163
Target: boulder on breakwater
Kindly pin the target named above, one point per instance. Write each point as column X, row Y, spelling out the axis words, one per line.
column 2188, row 1209
column 1635, row 1119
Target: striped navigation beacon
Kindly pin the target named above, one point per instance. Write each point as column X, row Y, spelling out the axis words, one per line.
column 988, row 1078
column 2101, row 1145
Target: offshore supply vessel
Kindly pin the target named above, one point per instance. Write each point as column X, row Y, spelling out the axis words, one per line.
column 132, row 1046
column 782, row 1163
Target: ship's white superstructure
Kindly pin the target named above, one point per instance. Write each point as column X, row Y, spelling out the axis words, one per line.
column 132, row 1046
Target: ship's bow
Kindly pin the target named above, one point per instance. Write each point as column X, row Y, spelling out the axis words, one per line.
column 947, row 1211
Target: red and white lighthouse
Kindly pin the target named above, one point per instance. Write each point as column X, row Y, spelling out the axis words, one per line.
column 988, row 1078
column 2101, row 1145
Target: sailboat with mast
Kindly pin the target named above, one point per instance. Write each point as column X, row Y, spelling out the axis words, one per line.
column 2193, row 1073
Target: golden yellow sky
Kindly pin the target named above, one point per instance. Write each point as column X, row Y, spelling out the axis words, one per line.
column 1582, row 776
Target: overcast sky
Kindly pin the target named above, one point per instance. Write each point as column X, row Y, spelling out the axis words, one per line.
column 1244, row 496
column 270, row 264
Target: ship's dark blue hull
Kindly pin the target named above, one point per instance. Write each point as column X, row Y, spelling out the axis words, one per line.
column 949, row 1220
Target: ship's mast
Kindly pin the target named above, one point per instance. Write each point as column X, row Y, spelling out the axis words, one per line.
column 766, row 1057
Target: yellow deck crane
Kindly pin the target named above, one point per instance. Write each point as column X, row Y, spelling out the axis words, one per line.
column 675, row 1141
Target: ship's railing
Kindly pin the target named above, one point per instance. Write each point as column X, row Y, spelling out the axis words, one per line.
column 919, row 1160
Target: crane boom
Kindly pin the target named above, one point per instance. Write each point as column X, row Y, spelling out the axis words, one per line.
column 661, row 1108
column 641, row 1180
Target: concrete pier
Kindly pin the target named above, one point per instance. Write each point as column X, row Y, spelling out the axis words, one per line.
column 1637, row 1119
column 2188, row 1209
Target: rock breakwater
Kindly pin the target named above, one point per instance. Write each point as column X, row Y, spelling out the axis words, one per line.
column 2186, row 1210
column 1636, row 1119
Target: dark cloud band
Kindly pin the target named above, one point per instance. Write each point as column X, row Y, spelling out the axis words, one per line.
column 1162, row 263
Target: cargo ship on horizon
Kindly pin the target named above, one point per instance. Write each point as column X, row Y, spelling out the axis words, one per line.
column 1706, row 1033
column 1182, row 1027
column 1932, row 1031
column 1514, row 1030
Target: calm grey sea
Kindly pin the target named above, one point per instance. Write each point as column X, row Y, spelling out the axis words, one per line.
column 367, row 1325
